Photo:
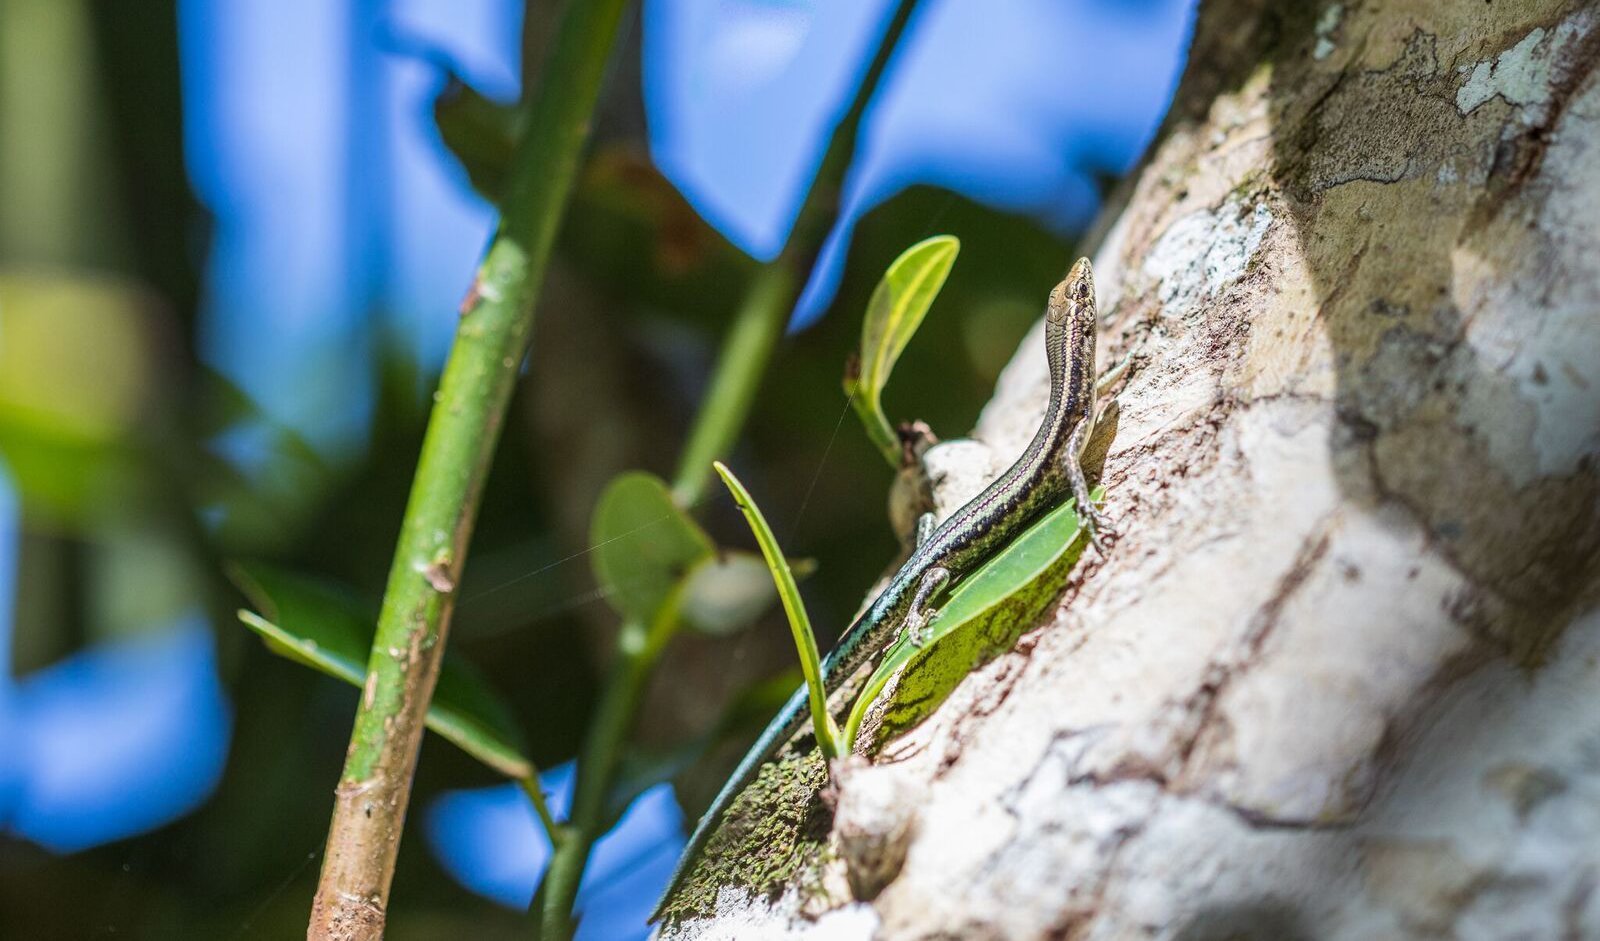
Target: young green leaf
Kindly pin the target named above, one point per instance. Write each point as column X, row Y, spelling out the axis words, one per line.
column 325, row 628
column 980, row 595
column 644, row 544
column 896, row 309
column 805, row 640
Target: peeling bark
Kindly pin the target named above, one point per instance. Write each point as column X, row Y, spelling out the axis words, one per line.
column 1339, row 678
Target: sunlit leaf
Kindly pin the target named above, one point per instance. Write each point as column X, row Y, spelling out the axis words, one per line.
column 325, row 628
column 894, row 313
column 1006, row 585
column 805, row 639
column 644, row 544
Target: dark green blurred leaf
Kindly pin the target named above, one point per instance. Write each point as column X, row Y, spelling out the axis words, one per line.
column 223, row 404
column 644, row 544
column 259, row 505
column 482, row 134
column 633, row 232
column 327, row 629
column 894, row 313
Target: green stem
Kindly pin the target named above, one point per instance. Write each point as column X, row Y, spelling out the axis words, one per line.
column 535, row 791
column 879, row 431
column 756, row 328
column 491, row 339
column 637, row 655
column 772, row 293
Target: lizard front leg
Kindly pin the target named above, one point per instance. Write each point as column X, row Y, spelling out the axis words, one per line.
column 917, row 617
column 1099, row 529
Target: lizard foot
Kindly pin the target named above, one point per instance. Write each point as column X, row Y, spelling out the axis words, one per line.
column 916, row 630
column 1101, row 533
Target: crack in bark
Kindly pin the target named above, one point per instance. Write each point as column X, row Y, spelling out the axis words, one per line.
column 1225, row 669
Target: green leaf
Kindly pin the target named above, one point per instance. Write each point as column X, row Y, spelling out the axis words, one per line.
column 644, row 544
column 324, row 627
column 1011, row 586
column 805, row 640
column 894, row 313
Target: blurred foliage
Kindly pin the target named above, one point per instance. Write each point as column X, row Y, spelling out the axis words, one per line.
column 646, row 549
column 70, row 444
column 644, row 545
column 480, row 132
column 126, row 451
column 325, row 628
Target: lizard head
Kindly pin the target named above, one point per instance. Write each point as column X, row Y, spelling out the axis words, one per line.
column 1073, row 298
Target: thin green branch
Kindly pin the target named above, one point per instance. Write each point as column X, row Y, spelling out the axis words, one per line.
column 535, row 791
column 491, row 339
column 638, row 652
column 771, row 294
column 757, row 325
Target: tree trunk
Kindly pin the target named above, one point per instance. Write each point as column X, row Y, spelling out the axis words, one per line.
column 1340, row 677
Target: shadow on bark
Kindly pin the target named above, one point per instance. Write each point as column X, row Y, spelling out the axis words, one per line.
column 1261, row 922
column 1404, row 209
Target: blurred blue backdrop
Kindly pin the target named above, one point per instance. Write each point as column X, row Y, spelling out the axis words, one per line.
column 342, row 223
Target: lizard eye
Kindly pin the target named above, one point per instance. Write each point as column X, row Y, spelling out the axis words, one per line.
column 1074, row 293
column 1082, row 280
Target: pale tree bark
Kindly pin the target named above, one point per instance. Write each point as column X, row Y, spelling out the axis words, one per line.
column 1340, row 678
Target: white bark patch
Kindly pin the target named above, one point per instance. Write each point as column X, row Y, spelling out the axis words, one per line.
column 1203, row 252
column 1357, row 637
column 958, row 470
column 1550, row 419
column 741, row 916
column 1499, row 786
column 1198, row 872
column 1522, row 75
